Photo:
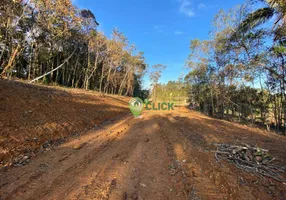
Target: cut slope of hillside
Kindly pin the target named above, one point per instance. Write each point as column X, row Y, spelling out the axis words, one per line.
column 33, row 117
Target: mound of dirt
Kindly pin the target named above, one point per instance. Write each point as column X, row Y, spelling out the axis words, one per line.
column 33, row 117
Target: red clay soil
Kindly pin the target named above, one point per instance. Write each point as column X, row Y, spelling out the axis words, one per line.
column 33, row 116
column 163, row 155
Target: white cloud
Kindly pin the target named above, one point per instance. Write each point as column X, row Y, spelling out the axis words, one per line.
column 178, row 32
column 186, row 8
column 201, row 6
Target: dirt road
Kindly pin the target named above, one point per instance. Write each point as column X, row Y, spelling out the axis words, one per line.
column 160, row 156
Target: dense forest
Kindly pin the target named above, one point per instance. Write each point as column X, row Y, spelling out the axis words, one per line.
column 240, row 73
column 56, row 43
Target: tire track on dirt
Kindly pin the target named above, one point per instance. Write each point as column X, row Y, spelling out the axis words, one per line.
column 60, row 171
column 130, row 175
column 110, row 163
column 160, row 156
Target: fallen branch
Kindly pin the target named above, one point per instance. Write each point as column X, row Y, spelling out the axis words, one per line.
column 66, row 60
column 251, row 159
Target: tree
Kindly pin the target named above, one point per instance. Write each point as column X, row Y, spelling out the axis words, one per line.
column 54, row 42
column 236, row 74
column 155, row 75
column 262, row 15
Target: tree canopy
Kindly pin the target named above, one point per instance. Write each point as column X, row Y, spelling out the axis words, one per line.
column 240, row 72
column 57, row 43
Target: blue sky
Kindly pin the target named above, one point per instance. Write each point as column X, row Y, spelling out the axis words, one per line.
column 162, row 29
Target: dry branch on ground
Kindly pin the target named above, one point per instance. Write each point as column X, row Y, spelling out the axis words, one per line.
column 251, row 159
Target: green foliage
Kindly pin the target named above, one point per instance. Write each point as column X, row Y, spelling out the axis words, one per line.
column 42, row 35
column 173, row 91
column 238, row 74
column 256, row 18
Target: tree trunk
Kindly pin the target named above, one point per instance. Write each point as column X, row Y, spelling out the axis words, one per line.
column 66, row 60
column 11, row 60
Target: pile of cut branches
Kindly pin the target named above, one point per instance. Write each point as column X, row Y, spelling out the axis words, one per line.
column 251, row 159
